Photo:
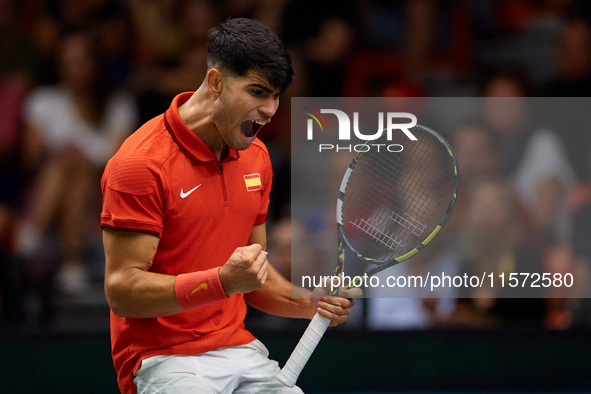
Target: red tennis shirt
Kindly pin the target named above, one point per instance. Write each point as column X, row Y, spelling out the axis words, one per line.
column 164, row 181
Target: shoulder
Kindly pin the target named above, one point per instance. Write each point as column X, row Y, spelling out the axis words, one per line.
column 138, row 165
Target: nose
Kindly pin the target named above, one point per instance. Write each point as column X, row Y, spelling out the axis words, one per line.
column 269, row 107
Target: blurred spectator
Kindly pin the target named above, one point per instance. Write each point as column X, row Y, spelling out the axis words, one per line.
column 12, row 94
column 270, row 12
column 532, row 156
column 573, row 77
column 377, row 47
column 157, row 46
column 13, row 87
column 325, row 41
column 18, row 58
column 116, row 35
column 189, row 67
column 575, row 259
column 573, row 80
column 579, row 204
column 382, row 24
column 159, row 35
column 519, row 33
column 478, row 157
column 438, row 40
column 492, row 242
column 169, row 50
column 565, row 301
column 415, row 307
column 73, row 129
column 476, row 151
column 280, row 239
column 410, row 48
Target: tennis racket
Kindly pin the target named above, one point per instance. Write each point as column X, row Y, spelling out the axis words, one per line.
column 391, row 204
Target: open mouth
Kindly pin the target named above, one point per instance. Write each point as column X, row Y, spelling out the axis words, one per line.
column 250, row 127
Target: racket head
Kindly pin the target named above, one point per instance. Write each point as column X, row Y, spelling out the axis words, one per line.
column 391, row 204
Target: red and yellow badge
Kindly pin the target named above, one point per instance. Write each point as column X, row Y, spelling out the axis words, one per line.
column 253, row 182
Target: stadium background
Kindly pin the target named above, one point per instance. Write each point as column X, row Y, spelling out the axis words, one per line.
column 55, row 339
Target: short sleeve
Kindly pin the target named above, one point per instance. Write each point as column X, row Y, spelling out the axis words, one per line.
column 133, row 196
column 267, row 182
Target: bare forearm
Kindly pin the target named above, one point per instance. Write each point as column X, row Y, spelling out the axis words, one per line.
column 278, row 297
column 275, row 297
column 142, row 294
column 131, row 289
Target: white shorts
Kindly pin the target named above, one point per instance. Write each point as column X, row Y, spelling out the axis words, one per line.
column 241, row 369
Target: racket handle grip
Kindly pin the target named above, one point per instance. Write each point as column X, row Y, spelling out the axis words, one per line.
column 304, row 349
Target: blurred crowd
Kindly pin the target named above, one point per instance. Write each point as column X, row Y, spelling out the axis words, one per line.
column 78, row 76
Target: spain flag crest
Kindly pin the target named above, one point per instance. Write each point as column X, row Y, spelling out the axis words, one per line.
column 253, row 182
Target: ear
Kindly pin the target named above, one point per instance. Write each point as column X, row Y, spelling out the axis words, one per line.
column 215, row 81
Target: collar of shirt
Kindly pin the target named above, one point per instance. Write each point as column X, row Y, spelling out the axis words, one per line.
column 184, row 137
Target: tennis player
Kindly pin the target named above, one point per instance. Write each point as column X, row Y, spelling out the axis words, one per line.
column 184, row 207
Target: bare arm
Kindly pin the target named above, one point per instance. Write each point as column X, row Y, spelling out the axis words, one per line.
column 133, row 291
column 275, row 297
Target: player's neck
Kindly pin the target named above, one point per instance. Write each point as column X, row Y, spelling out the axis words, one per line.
column 196, row 114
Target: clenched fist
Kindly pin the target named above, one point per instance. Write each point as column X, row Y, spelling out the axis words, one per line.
column 245, row 271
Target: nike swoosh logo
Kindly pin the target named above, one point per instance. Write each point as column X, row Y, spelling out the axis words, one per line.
column 201, row 286
column 184, row 195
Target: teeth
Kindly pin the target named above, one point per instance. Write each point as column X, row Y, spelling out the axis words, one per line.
column 262, row 123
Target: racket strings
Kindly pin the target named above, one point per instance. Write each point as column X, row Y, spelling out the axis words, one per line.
column 384, row 237
column 386, row 178
column 394, row 200
column 390, row 174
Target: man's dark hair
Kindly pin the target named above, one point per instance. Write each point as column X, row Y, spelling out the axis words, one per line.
column 241, row 45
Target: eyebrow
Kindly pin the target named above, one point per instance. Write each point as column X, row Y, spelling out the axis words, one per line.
column 264, row 88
